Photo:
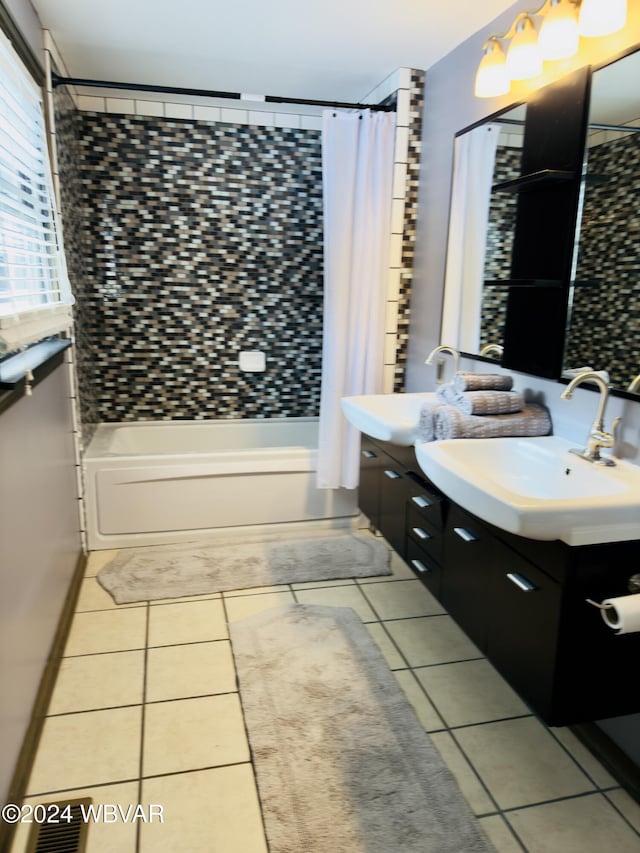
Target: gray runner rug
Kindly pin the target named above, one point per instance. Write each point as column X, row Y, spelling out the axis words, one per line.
column 173, row 571
column 341, row 761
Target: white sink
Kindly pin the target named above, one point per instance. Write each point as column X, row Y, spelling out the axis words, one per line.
column 388, row 417
column 536, row 488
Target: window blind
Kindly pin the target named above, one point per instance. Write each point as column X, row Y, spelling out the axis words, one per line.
column 35, row 295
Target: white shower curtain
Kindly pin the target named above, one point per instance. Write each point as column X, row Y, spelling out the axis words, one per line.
column 357, row 158
column 475, row 154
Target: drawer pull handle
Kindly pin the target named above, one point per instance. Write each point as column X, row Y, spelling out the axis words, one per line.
column 392, row 475
column 420, row 533
column 419, row 566
column 521, row 582
column 368, row 454
column 465, row 534
column 421, row 501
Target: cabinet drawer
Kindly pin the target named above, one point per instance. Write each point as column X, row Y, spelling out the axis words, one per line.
column 421, row 531
column 466, row 584
column 427, row 504
column 424, row 566
column 393, row 497
column 523, row 630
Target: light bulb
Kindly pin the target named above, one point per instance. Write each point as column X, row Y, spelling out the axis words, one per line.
column 492, row 78
column 602, row 17
column 523, row 57
column 558, row 37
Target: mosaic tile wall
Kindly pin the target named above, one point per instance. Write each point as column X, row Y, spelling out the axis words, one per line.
column 201, row 240
column 416, row 107
column 499, row 245
column 605, row 318
column 71, row 199
column 170, row 287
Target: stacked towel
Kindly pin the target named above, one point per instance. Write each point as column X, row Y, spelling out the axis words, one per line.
column 480, row 405
column 482, row 382
column 488, row 402
column 451, row 422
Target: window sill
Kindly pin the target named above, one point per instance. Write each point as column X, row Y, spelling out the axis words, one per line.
column 40, row 359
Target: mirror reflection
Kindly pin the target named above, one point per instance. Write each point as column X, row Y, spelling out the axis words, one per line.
column 500, row 231
column 603, row 331
column 481, row 228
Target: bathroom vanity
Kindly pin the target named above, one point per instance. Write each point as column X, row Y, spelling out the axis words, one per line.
column 522, row 601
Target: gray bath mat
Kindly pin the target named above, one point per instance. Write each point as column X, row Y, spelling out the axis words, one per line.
column 341, row 761
column 172, row 571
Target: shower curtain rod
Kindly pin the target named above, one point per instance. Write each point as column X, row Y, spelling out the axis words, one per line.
column 57, row 80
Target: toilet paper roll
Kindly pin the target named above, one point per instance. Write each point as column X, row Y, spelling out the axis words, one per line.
column 623, row 613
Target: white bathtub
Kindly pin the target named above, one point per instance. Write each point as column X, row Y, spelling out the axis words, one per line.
column 163, row 482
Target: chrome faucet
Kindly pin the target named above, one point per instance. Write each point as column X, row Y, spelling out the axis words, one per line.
column 598, row 438
column 450, row 351
column 492, row 349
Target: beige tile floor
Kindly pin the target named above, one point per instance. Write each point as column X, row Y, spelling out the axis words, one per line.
column 146, row 710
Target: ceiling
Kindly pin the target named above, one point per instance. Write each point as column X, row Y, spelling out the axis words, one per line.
column 325, row 49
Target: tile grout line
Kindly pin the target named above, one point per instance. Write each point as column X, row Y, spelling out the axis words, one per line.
column 57, row 791
column 574, row 759
column 614, row 806
column 145, row 671
column 246, row 730
column 141, row 704
column 142, row 649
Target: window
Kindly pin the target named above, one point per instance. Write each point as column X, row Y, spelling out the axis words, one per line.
column 35, row 296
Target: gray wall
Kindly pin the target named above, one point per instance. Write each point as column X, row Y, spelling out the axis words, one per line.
column 39, row 548
column 450, row 105
column 27, row 20
column 39, row 527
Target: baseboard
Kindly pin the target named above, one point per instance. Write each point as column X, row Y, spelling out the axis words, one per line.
column 27, row 754
column 611, row 756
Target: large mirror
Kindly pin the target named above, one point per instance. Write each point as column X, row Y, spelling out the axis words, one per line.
column 604, row 326
column 604, row 307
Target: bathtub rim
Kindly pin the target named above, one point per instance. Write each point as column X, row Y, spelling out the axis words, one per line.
column 97, row 449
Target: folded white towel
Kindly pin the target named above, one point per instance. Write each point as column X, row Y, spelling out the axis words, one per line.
column 451, row 422
column 427, row 422
column 482, row 382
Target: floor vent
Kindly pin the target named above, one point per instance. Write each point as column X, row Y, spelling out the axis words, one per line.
column 59, row 828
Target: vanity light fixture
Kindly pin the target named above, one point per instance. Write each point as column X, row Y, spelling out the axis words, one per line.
column 562, row 22
column 558, row 37
column 524, row 59
column 602, row 17
column 492, row 77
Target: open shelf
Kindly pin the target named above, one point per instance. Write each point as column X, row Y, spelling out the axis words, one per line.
column 534, row 180
column 540, row 282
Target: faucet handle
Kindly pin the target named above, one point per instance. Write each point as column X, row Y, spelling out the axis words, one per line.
column 614, row 430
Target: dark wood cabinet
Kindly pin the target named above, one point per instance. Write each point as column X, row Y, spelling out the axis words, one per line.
column 523, row 602
column 390, row 483
column 506, row 604
column 466, row 593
